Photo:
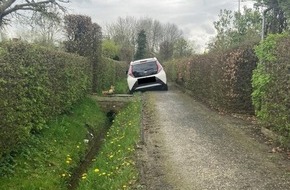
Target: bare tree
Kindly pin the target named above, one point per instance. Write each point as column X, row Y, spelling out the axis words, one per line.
column 124, row 33
column 10, row 7
column 171, row 33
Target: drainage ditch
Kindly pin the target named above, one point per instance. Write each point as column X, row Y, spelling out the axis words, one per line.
column 95, row 142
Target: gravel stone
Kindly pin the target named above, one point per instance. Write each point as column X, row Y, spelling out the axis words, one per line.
column 188, row 146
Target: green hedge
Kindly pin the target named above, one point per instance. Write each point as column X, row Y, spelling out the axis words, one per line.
column 36, row 84
column 220, row 79
column 110, row 72
column 271, row 83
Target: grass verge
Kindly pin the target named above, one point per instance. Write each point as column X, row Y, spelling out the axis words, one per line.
column 121, row 87
column 47, row 159
column 114, row 167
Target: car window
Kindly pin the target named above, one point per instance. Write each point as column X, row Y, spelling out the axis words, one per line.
column 144, row 69
column 145, row 66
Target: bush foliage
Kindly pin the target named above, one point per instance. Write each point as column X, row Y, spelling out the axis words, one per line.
column 35, row 85
column 110, row 72
column 271, row 82
column 220, row 79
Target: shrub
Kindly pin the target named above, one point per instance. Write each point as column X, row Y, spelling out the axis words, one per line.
column 271, row 83
column 36, row 84
column 110, row 72
column 220, row 79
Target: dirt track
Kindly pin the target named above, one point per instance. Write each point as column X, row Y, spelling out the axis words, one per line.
column 187, row 146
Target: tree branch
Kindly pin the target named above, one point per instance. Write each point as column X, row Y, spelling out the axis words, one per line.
column 6, row 9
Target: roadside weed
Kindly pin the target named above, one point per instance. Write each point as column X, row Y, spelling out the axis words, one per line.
column 47, row 159
column 114, row 167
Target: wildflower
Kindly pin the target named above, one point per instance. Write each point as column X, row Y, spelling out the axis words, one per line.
column 78, row 146
column 104, row 173
column 84, row 177
column 111, row 156
column 96, row 170
column 68, row 162
column 63, row 175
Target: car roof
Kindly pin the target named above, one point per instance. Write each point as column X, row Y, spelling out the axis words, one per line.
column 143, row 60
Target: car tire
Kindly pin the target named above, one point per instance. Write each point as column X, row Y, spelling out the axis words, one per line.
column 165, row 88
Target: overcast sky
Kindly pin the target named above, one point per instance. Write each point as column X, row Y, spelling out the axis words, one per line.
column 194, row 17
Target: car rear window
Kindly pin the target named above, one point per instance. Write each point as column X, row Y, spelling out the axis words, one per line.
column 144, row 69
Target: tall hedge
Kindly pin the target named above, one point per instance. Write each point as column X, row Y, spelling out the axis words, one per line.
column 36, row 84
column 220, row 79
column 271, row 83
column 109, row 72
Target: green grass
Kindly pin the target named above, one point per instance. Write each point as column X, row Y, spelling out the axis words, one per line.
column 46, row 160
column 121, row 87
column 114, row 168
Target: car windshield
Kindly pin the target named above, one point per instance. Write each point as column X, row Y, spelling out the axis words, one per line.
column 144, row 69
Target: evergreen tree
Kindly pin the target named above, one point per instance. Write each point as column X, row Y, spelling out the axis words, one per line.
column 141, row 45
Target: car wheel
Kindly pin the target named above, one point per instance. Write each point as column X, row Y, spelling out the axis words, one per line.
column 165, row 87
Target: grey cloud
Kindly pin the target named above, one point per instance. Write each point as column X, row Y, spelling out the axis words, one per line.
column 194, row 17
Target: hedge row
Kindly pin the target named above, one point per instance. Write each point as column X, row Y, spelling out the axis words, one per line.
column 36, row 84
column 109, row 72
column 271, row 82
column 220, row 79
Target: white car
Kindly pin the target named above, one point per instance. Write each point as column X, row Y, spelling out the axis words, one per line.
column 146, row 74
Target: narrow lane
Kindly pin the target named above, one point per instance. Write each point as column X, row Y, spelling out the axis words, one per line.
column 204, row 150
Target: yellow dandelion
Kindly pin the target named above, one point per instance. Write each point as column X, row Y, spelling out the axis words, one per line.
column 96, row 170
column 68, row 162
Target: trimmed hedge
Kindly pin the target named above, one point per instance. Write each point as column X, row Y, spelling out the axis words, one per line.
column 220, row 79
column 271, row 82
column 109, row 72
column 36, row 84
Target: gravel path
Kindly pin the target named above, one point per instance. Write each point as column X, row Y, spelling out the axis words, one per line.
column 188, row 147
